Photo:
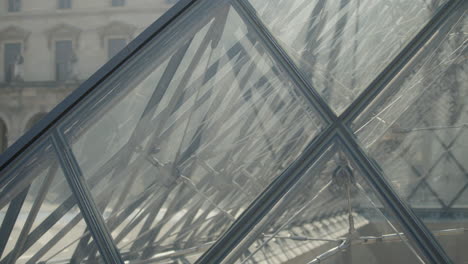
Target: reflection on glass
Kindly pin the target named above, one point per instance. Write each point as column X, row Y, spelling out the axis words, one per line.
column 179, row 142
column 329, row 216
column 39, row 215
column 341, row 46
column 417, row 132
column 49, row 47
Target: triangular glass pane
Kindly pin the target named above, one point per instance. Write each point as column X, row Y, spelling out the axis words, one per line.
column 341, row 46
column 421, row 119
column 460, row 145
column 40, row 216
column 423, row 197
column 329, row 216
column 447, row 175
column 180, row 141
column 461, row 200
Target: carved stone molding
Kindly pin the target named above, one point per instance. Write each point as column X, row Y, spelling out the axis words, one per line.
column 14, row 33
column 63, row 31
column 116, row 28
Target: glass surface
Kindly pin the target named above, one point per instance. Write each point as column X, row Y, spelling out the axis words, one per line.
column 329, row 216
column 182, row 139
column 40, row 220
column 417, row 132
column 341, row 46
column 28, row 83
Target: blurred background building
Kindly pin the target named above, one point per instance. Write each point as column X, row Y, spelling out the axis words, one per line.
column 48, row 47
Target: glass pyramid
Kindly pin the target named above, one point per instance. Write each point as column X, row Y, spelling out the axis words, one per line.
column 283, row 131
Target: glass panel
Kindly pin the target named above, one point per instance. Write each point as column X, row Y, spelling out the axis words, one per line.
column 341, row 46
column 178, row 143
column 40, row 220
column 417, row 132
column 329, row 216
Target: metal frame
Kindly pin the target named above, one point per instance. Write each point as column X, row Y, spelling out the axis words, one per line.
column 421, row 237
column 419, row 233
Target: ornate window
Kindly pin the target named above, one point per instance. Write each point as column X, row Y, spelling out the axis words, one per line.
column 14, row 5
column 12, row 61
column 118, row 2
column 64, row 4
column 14, row 41
column 116, row 30
column 65, row 60
column 64, row 40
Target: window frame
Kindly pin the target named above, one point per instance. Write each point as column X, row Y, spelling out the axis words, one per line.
column 11, row 8
column 117, row 3
column 64, row 4
column 56, row 75
column 4, row 44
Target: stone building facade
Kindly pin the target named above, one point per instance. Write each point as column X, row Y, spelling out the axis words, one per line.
column 48, row 47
